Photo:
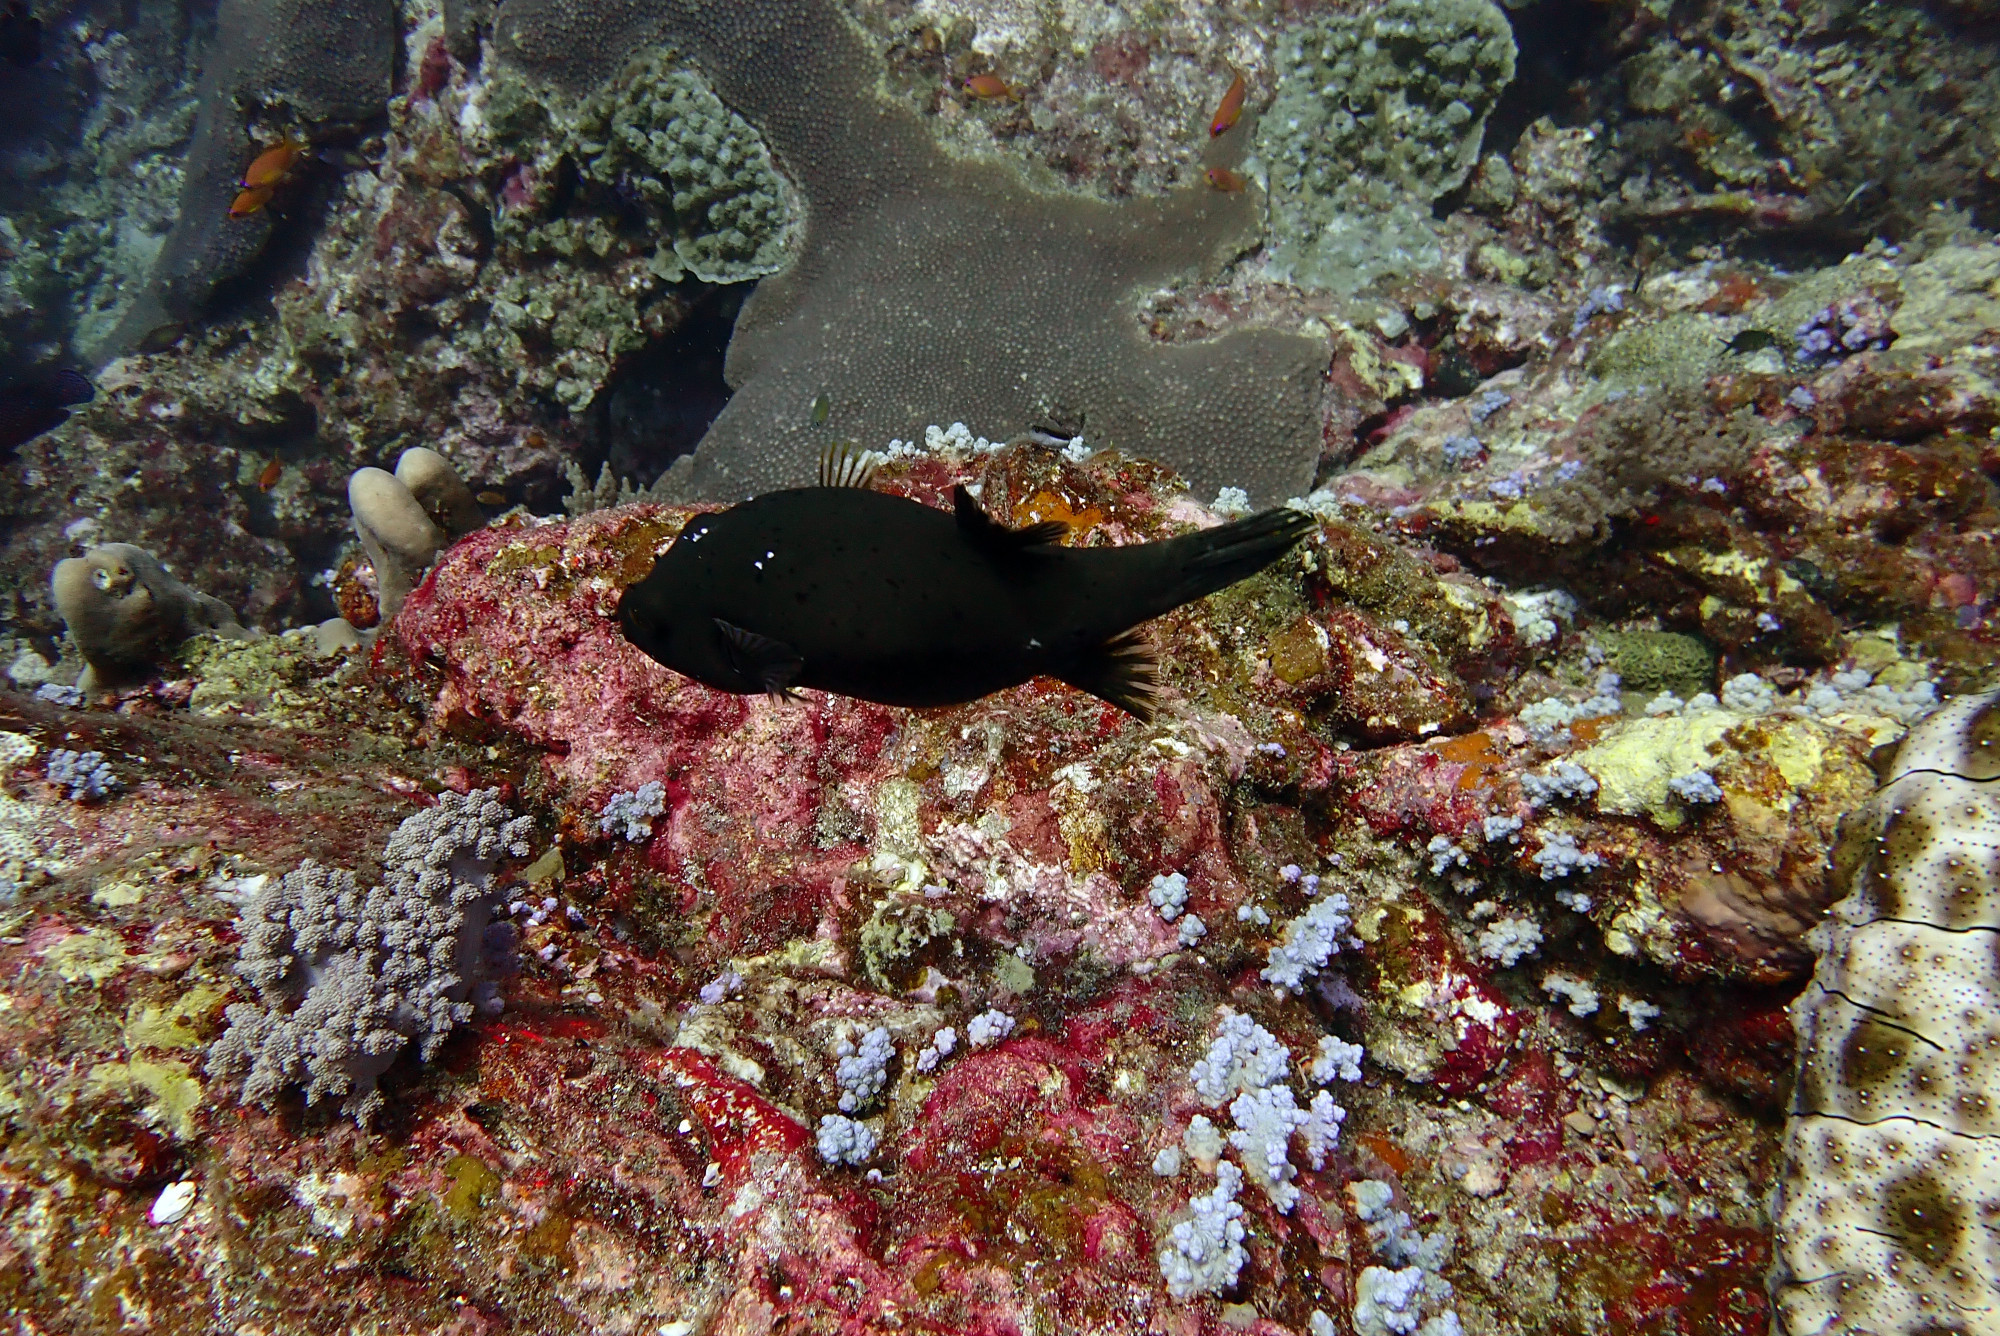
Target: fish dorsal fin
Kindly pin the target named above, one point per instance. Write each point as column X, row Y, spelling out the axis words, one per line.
column 1124, row 670
column 843, row 464
column 982, row 530
column 771, row 664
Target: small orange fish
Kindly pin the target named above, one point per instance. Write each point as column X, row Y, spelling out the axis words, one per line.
column 489, row 497
column 269, row 477
column 248, row 202
column 1230, row 111
column 988, row 86
column 274, row 165
column 1224, row 179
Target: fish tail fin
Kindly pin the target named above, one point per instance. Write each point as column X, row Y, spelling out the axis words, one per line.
column 1220, row 557
column 1124, row 670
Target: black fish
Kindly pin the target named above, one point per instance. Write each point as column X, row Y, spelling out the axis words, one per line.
column 1750, row 341
column 869, row 595
column 38, row 403
column 20, row 35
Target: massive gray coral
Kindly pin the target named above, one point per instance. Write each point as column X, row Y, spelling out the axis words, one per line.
column 927, row 289
column 125, row 610
column 346, row 979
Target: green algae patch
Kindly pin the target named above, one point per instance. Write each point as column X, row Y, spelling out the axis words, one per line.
column 167, row 1089
column 1650, row 662
column 1520, row 517
column 471, row 1184
column 895, row 939
column 516, row 558
column 182, row 1025
column 1635, row 764
column 87, row 957
column 1679, row 350
column 1013, row 975
column 547, row 868
column 120, row 894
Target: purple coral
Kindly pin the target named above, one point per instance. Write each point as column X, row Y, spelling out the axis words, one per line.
column 347, row 978
column 1846, row 327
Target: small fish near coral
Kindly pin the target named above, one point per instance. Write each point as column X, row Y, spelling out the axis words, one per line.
column 39, row 403
column 1750, row 341
column 1229, row 110
column 854, row 591
column 990, row 87
column 267, row 171
column 1223, row 179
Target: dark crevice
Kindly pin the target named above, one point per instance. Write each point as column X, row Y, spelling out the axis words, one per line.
column 1565, row 47
column 661, row 400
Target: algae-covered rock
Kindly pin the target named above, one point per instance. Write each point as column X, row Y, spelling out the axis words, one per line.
column 1950, row 297
column 1636, row 763
column 895, row 936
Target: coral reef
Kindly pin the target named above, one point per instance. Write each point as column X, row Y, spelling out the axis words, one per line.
column 1479, row 940
column 796, row 976
column 927, row 287
column 1376, row 115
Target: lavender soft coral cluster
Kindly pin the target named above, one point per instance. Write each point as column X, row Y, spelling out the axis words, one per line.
column 1848, row 326
column 1205, row 1251
column 87, row 775
column 632, row 812
column 1247, row 1060
column 347, row 978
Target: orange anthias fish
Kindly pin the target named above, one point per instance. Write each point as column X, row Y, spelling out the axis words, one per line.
column 1224, row 179
column 266, row 172
column 269, row 477
column 1231, row 109
column 274, row 166
column 988, row 86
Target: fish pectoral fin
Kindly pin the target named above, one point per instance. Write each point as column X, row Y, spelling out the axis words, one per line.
column 771, row 664
column 844, row 464
column 983, row 531
column 1124, row 670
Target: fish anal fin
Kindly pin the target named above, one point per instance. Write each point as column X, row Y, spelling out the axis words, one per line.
column 843, row 464
column 771, row 664
column 1124, row 670
column 982, row 530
